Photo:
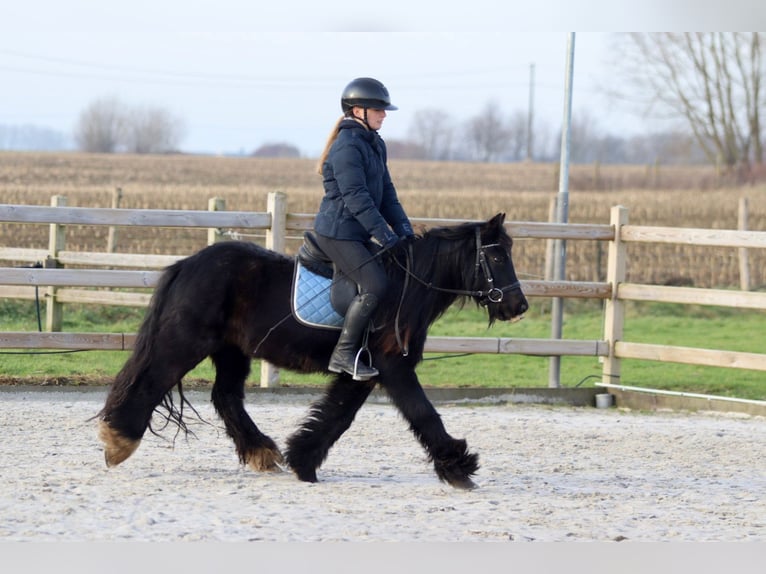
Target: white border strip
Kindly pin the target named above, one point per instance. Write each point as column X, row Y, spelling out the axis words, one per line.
column 680, row 394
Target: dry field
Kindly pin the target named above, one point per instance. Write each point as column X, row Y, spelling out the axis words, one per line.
column 665, row 196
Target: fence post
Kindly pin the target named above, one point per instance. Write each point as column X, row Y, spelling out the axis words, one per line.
column 744, row 261
column 275, row 240
column 276, row 234
column 215, row 234
column 111, row 242
column 54, row 311
column 614, row 311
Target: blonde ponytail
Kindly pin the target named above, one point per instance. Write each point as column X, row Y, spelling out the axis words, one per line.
column 330, row 140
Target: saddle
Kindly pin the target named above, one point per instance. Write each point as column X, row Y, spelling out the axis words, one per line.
column 321, row 293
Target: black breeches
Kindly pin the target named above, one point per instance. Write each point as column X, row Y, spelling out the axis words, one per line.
column 357, row 262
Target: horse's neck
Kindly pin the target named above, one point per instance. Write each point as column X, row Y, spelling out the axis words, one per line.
column 434, row 301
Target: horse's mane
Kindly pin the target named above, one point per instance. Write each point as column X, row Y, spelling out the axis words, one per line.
column 441, row 257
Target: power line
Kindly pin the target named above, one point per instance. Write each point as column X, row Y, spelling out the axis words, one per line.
column 111, row 71
column 452, row 80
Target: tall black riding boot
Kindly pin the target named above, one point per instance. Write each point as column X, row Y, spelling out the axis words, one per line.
column 345, row 357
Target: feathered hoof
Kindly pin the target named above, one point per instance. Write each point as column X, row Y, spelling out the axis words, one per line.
column 464, row 484
column 457, row 465
column 117, row 448
column 265, row 460
column 306, row 474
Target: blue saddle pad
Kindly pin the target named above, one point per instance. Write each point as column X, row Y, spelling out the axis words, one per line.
column 311, row 300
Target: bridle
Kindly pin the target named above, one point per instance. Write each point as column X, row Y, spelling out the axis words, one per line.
column 492, row 294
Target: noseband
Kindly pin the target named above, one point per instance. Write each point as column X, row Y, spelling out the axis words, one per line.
column 492, row 294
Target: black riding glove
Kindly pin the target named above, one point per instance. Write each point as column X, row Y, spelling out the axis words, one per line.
column 390, row 243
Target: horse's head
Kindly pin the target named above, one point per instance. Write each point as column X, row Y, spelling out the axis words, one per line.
column 466, row 261
column 496, row 282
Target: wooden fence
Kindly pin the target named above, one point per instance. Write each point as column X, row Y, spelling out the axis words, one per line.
column 97, row 270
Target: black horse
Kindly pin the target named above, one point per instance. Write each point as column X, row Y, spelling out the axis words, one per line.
column 231, row 301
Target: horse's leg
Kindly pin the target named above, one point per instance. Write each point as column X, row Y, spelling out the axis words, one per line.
column 254, row 448
column 453, row 463
column 148, row 375
column 326, row 421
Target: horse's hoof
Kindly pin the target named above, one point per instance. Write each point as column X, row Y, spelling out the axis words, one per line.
column 266, row 460
column 309, row 475
column 464, row 484
column 117, row 448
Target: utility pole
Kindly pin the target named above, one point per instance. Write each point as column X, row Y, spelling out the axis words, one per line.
column 530, row 113
column 562, row 213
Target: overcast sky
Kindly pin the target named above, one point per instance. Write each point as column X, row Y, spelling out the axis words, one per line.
column 237, row 79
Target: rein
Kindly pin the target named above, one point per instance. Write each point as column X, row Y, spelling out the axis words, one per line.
column 492, row 294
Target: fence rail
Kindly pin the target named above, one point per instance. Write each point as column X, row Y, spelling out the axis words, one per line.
column 276, row 224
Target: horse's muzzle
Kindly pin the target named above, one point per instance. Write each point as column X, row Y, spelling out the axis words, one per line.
column 510, row 305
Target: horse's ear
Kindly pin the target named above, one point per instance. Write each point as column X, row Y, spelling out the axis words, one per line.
column 493, row 228
column 497, row 220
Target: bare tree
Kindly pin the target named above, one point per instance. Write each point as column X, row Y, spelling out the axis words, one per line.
column 432, row 131
column 712, row 80
column 488, row 133
column 108, row 126
column 518, row 139
column 152, row 130
column 587, row 139
column 547, row 142
column 101, row 126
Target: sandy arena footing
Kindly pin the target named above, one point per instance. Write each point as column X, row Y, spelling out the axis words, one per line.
column 548, row 474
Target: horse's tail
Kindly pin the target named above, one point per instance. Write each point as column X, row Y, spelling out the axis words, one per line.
column 127, row 411
column 146, row 338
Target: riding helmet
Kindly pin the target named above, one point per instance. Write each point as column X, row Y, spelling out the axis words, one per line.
column 366, row 93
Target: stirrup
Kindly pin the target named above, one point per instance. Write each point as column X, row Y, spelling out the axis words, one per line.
column 373, row 371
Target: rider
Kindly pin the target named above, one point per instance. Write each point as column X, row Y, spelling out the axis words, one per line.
column 360, row 204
